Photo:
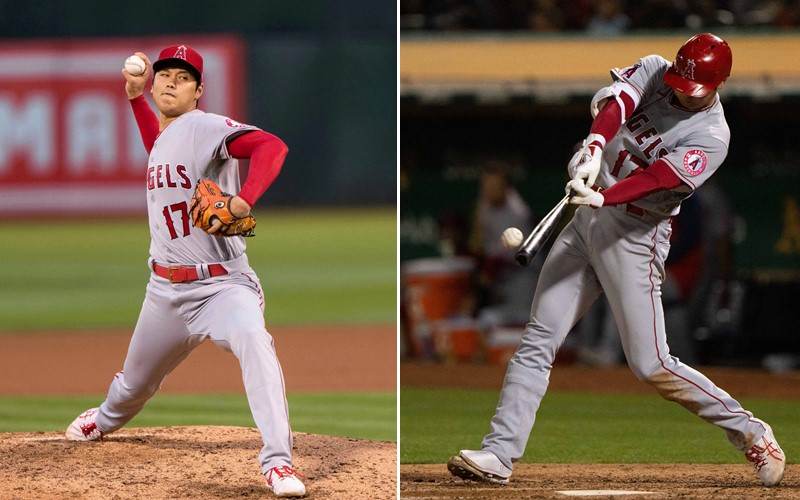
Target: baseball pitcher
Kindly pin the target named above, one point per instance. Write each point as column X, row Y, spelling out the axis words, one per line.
column 201, row 284
column 658, row 133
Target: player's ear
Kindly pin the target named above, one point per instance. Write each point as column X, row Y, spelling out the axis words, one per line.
column 199, row 91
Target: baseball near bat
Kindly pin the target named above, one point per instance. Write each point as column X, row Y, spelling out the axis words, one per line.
column 541, row 233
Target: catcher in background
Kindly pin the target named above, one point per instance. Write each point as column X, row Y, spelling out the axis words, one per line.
column 201, row 284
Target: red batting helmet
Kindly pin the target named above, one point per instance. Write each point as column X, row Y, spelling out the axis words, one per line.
column 181, row 56
column 702, row 64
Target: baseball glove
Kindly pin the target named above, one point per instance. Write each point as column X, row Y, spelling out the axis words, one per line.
column 209, row 203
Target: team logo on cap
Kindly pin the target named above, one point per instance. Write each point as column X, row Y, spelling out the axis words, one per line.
column 695, row 161
column 180, row 53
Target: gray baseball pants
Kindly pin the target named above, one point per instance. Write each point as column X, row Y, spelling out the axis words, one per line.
column 176, row 318
column 606, row 250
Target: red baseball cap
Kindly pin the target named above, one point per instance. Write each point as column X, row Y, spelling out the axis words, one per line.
column 181, row 56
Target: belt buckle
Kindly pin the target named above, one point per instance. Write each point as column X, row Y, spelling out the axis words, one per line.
column 177, row 274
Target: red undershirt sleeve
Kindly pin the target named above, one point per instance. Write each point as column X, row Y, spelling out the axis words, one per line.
column 609, row 120
column 146, row 120
column 267, row 153
column 657, row 177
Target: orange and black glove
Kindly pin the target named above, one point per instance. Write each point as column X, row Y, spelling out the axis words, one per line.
column 209, row 203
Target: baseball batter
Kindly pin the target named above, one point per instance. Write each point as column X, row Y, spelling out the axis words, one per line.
column 658, row 133
column 201, row 284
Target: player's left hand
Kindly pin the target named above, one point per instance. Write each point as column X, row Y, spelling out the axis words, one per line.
column 583, row 195
column 218, row 213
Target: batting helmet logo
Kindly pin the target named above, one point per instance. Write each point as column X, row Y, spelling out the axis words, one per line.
column 695, row 161
column 687, row 71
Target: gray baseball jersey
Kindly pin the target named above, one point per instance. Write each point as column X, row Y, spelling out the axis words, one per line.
column 620, row 251
column 228, row 309
column 694, row 144
column 192, row 147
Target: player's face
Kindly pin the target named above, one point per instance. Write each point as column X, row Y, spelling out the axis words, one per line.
column 175, row 91
column 694, row 103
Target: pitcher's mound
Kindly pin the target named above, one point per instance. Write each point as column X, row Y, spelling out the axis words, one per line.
column 187, row 462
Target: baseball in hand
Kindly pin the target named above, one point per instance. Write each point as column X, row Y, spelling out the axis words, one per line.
column 512, row 238
column 134, row 65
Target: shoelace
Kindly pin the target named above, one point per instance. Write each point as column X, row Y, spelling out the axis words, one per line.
column 758, row 454
column 281, row 472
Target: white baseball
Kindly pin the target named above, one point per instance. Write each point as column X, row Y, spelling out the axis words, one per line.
column 512, row 238
column 135, row 65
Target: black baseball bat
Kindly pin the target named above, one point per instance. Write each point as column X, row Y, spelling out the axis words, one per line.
column 541, row 233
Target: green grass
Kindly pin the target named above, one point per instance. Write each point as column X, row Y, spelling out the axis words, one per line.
column 582, row 428
column 356, row 415
column 317, row 267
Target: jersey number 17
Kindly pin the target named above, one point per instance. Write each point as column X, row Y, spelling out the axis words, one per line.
column 184, row 210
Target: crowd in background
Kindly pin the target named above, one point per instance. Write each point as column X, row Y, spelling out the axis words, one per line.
column 596, row 17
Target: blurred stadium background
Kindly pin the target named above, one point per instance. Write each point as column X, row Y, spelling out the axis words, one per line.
column 321, row 76
column 494, row 96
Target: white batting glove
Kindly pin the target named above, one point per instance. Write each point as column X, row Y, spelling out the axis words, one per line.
column 585, row 163
column 583, row 195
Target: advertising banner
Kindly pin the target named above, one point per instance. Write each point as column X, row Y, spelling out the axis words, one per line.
column 68, row 140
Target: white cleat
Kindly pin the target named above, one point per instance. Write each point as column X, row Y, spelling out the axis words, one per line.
column 767, row 458
column 283, row 482
column 479, row 465
column 84, row 427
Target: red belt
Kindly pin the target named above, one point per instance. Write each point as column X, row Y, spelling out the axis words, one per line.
column 182, row 274
column 634, row 210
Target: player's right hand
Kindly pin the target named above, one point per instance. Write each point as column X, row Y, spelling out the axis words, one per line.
column 580, row 194
column 134, row 85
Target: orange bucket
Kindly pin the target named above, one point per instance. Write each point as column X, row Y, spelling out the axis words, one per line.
column 433, row 289
column 457, row 339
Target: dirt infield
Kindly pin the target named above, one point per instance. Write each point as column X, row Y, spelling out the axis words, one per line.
column 544, row 481
column 616, row 380
column 187, row 462
column 314, row 358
